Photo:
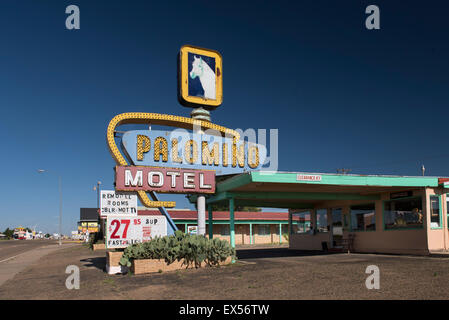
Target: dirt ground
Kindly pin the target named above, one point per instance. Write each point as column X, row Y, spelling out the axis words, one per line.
column 271, row 273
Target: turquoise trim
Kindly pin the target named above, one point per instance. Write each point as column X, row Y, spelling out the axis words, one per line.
column 439, row 212
column 280, row 233
column 250, row 233
column 353, row 180
column 447, row 212
column 234, row 182
column 210, row 222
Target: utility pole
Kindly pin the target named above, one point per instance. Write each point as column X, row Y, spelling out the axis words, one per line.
column 100, row 221
column 343, row 171
column 60, row 209
column 423, row 169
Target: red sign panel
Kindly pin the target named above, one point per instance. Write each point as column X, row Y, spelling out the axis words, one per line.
column 164, row 180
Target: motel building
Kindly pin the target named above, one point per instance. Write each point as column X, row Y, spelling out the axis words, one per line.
column 250, row 227
column 369, row 213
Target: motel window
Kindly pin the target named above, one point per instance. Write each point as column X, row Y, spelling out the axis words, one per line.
column 263, row 230
column 337, row 222
column 301, row 222
column 321, row 220
column 403, row 213
column 363, row 217
column 225, row 230
column 435, row 212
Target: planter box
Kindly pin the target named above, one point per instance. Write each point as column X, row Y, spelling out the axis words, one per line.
column 112, row 263
column 140, row 266
column 113, row 258
column 99, row 246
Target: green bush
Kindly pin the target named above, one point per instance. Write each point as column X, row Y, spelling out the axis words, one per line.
column 194, row 249
column 95, row 238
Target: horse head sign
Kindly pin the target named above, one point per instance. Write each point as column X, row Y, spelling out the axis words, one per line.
column 200, row 77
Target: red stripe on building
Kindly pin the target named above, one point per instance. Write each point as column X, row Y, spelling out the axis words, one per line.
column 219, row 215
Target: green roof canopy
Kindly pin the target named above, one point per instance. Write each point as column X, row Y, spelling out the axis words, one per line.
column 292, row 190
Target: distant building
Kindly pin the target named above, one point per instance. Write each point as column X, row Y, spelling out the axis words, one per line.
column 250, row 227
column 88, row 220
column 19, row 233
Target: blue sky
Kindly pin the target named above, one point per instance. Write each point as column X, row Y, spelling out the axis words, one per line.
column 341, row 96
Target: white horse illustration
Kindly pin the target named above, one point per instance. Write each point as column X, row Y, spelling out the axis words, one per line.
column 207, row 76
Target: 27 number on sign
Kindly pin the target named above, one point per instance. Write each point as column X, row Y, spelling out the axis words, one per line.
column 117, row 224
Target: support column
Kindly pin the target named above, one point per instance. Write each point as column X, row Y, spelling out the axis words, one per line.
column 231, row 222
column 211, row 231
column 201, row 204
column 280, row 232
column 330, row 227
column 250, row 233
column 290, row 223
column 185, row 228
column 313, row 221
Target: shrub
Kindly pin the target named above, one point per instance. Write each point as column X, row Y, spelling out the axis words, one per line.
column 194, row 249
column 95, row 238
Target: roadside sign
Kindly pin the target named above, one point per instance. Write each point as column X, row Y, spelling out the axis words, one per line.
column 200, row 77
column 116, row 203
column 164, row 180
column 123, row 231
column 182, row 149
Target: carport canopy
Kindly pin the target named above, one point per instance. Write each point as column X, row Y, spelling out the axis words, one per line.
column 298, row 190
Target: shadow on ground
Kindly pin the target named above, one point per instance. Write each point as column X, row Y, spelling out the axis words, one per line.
column 276, row 253
column 97, row 262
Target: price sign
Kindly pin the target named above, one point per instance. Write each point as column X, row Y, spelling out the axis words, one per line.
column 123, row 231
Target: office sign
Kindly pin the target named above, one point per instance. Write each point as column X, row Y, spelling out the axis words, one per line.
column 403, row 194
column 166, row 180
column 200, row 75
column 123, row 231
column 114, row 203
column 308, row 177
column 182, row 149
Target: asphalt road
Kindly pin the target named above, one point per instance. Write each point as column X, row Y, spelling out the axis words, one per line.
column 12, row 248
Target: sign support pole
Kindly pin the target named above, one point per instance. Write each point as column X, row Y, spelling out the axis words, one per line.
column 201, row 203
column 201, row 114
column 231, row 223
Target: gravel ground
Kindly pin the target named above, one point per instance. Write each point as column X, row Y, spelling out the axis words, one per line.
column 261, row 273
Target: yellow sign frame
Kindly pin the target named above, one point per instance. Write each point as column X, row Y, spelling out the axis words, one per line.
column 157, row 119
column 184, row 76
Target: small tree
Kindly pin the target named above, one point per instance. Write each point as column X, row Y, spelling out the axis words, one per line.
column 9, row 233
